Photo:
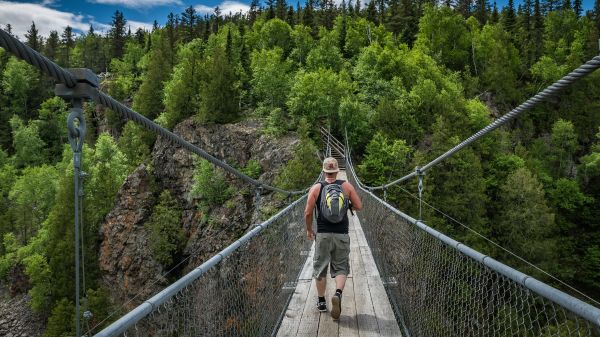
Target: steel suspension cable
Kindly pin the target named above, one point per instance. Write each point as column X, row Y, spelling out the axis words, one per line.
column 558, row 86
column 24, row 52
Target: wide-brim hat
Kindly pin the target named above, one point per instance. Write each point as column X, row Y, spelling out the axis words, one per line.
column 330, row 165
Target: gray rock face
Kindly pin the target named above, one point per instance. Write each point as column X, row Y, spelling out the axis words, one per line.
column 16, row 319
column 125, row 258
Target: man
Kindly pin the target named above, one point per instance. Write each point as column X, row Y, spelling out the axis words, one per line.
column 332, row 245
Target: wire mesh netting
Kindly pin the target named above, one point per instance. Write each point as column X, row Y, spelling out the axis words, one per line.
column 436, row 290
column 245, row 294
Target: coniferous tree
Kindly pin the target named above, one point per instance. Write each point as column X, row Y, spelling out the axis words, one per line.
column 495, row 15
column 371, row 12
column 67, row 44
column 596, row 14
column 566, row 5
column 148, row 100
column 538, row 31
column 117, row 35
column 308, row 18
column 464, row 7
column 188, row 24
column 140, row 36
column 51, row 49
column 510, row 17
column 290, row 17
column 394, row 21
column 271, row 10
column 253, row 12
column 33, row 39
column 357, row 8
column 481, row 10
column 577, row 7
column 219, row 96
column 281, row 8
column 381, row 11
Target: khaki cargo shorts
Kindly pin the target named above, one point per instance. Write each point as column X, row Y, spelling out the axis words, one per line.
column 331, row 249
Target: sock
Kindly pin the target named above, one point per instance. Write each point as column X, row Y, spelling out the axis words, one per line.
column 321, row 299
column 338, row 291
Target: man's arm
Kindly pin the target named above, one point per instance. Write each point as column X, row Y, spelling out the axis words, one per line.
column 308, row 211
column 354, row 198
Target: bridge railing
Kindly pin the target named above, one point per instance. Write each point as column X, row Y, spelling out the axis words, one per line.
column 242, row 291
column 440, row 287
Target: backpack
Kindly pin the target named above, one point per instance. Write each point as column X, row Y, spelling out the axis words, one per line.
column 334, row 204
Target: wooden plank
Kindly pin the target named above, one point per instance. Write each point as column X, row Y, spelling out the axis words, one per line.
column 386, row 320
column 368, row 262
column 309, row 323
column 365, row 314
column 348, row 326
column 306, row 273
column 293, row 314
column 327, row 326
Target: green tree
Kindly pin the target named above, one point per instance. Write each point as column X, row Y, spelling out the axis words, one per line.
column 326, row 55
column 444, row 36
column 135, row 143
column 564, row 141
column 52, row 116
column 148, row 100
column 32, row 197
column 304, row 168
column 18, row 85
column 271, row 77
column 219, row 95
column 117, row 35
column 525, row 224
column 126, row 72
column 67, row 42
column 317, row 95
column 51, row 49
column 210, row 185
column 384, row 160
column 166, row 236
column 33, row 39
column 303, row 43
column 181, row 97
column 29, row 147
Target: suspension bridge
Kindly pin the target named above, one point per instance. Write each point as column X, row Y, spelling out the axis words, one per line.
column 407, row 279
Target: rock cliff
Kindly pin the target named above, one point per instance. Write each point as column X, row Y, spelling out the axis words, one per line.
column 125, row 258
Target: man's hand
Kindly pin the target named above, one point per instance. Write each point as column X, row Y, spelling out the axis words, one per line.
column 310, row 234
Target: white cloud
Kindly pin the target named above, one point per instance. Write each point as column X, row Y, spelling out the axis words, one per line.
column 226, row 7
column 138, row 3
column 20, row 16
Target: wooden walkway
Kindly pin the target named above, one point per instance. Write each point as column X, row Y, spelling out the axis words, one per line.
column 366, row 310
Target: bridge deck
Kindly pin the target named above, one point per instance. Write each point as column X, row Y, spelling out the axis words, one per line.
column 366, row 310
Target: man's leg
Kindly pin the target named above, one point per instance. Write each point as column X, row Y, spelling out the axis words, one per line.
column 321, row 283
column 340, row 282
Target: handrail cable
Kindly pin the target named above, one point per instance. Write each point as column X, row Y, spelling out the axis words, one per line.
column 52, row 69
column 499, row 246
column 584, row 70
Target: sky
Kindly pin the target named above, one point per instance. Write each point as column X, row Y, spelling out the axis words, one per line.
column 79, row 14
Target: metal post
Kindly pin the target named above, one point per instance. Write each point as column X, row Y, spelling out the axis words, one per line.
column 84, row 88
column 76, row 138
column 420, row 174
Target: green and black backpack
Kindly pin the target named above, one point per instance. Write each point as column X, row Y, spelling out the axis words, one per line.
column 334, row 204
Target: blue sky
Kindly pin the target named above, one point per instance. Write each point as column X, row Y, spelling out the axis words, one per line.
column 57, row 14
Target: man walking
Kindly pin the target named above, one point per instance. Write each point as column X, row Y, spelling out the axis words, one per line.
column 331, row 199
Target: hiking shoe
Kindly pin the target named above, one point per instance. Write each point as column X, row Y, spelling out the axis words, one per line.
column 322, row 306
column 336, row 306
